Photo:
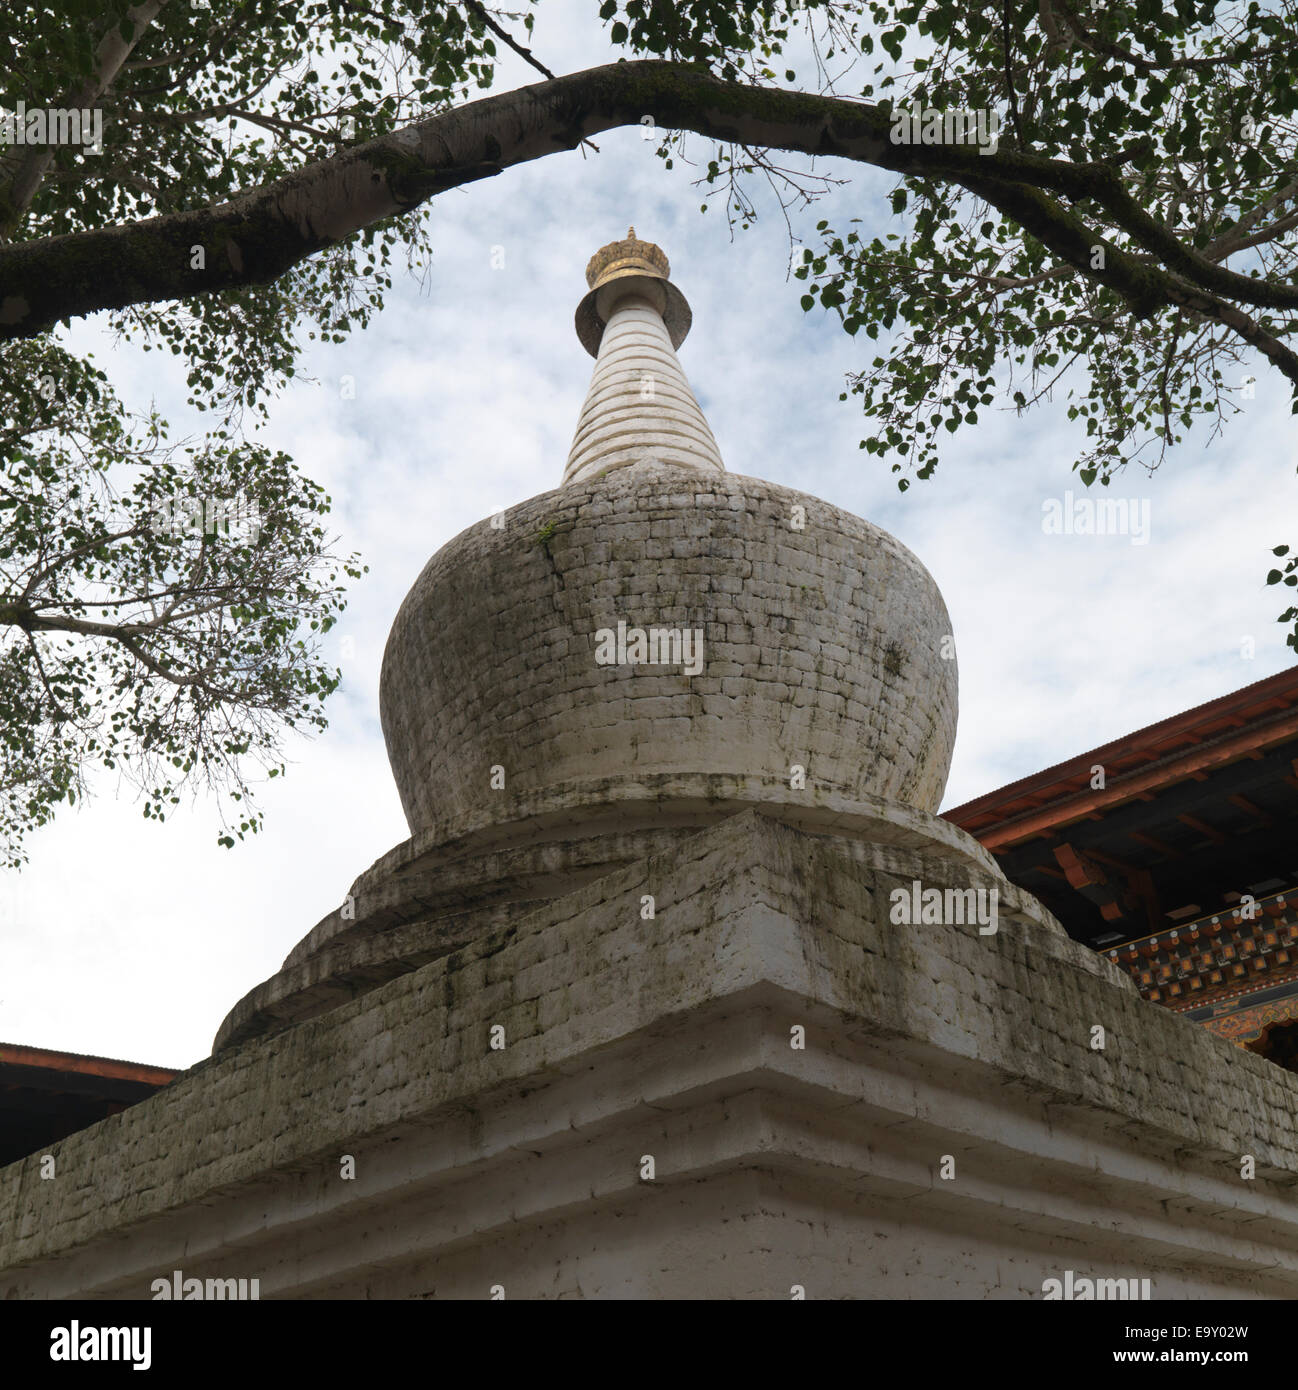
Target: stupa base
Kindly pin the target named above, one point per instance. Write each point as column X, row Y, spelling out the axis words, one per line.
column 768, row 1088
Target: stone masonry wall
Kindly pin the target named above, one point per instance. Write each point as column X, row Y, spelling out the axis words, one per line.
column 627, row 1036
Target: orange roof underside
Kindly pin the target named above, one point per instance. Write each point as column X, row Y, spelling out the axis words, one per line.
column 108, row 1067
column 1209, row 736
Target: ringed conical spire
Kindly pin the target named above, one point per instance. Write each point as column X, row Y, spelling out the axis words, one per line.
column 639, row 408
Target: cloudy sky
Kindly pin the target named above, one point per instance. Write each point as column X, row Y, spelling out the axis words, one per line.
column 127, row 939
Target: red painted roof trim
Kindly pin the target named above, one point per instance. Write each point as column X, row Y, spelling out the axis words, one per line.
column 1254, row 709
column 109, row 1067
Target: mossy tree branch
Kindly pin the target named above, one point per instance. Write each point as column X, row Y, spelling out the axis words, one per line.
column 260, row 235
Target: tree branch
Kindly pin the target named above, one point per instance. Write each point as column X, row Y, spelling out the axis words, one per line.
column 112, row 52
column 262, row 233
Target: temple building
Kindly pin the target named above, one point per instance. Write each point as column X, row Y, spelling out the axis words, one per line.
column 45, row 1096
column 680, row 987
column 1173, row 851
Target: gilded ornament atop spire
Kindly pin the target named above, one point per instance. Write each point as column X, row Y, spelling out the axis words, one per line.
column 629, row 257
column 633, row 266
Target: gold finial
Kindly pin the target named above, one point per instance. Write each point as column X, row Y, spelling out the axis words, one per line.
column 629, row 257
column 630, row 261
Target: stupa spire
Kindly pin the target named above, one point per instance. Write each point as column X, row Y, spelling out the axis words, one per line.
column 639, row 408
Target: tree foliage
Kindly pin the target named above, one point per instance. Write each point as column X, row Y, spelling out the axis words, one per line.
column 1189, row 110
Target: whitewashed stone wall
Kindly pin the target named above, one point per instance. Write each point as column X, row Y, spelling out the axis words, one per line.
column 821, row 1166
